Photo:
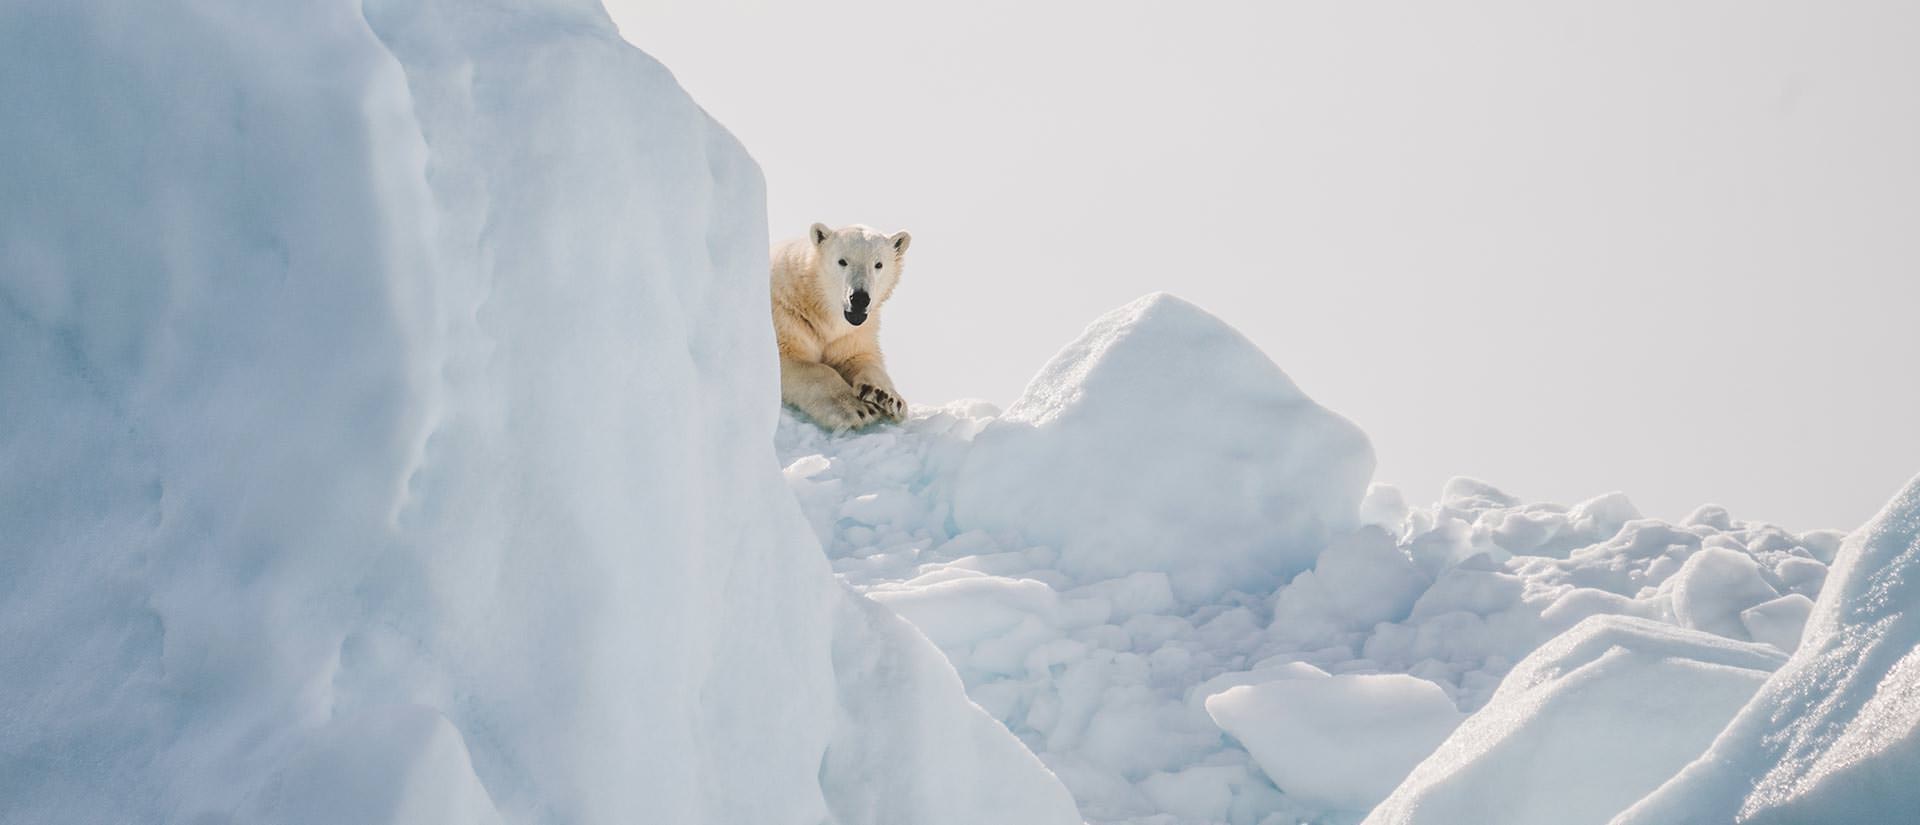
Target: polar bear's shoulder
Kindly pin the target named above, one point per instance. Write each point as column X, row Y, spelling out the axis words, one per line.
column 792, row 257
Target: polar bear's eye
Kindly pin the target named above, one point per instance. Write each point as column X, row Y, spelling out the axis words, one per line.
column 876, row 266
column 843, row 262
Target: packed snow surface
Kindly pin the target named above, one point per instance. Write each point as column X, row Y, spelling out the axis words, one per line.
column 1834, row 736
column 1583, row 726
column 1338, row 741
column 384, row 439
column 1109, row 673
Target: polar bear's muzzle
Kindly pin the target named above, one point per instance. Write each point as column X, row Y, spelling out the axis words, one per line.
column 857, row 304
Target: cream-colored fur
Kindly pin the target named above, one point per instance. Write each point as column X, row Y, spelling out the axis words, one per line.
column 830, row 367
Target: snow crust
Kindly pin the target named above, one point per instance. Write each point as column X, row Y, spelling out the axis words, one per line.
column 1834, row 736
column 1583, row 726
column 384, row 434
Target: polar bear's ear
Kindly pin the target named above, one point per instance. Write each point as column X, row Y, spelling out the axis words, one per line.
column 821, row 233
column 900, row 241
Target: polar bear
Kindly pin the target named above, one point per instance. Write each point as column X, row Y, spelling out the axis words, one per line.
column 827, row 292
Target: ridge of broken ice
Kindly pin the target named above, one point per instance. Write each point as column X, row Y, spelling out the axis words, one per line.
column 1108, row 673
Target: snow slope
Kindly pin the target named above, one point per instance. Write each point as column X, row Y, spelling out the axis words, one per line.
column 1834, row 736
column 1584, row 726
column 1109, row 674
column 387, row 388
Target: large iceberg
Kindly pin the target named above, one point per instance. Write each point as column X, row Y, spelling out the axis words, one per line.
column 387, row 392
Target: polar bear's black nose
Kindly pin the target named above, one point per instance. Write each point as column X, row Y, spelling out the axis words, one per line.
column 857, row 307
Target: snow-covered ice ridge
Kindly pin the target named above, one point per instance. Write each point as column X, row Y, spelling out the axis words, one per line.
column 1164, row 692
column 385, row 399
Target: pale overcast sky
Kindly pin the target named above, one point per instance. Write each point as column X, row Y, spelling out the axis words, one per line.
column 1669, row 248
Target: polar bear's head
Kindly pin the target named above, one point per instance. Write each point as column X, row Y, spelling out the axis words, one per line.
column 858, row 267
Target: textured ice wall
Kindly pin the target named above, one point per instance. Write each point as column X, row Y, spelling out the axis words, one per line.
column 385, row 422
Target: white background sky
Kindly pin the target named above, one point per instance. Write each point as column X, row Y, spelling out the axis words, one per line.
column 1670, row 248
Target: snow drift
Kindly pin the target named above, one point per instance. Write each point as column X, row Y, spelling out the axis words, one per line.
column 385, row 439
column 1834, row 736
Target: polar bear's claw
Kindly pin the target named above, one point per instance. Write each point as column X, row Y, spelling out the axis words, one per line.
column 884, row 403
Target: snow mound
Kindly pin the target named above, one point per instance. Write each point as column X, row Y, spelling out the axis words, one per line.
column 1834, row 736
column 1362, row 579
column 1584, row 726
column 1715, row 587
column 385, row 429
column 1342, row 742
column 1163, row 440
column 1508, row 576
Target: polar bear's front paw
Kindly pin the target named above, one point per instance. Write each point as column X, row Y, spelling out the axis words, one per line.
column 883, row 400
column 846, row 412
